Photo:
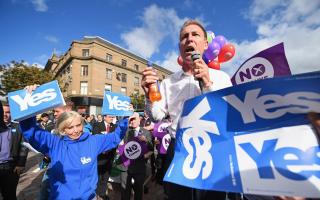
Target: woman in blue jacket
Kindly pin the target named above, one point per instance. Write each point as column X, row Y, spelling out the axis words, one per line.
column 73, row 173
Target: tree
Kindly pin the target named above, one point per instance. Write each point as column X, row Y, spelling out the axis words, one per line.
column 18, row 75
column 138, row 101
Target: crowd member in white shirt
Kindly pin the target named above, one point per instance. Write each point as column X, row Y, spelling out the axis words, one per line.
column 179, row 87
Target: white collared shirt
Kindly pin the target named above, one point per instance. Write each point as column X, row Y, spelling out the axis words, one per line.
column 178, row 88
column 106, row 125
column 136, row 131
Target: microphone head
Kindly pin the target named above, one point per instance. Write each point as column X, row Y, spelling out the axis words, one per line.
column 195, row 55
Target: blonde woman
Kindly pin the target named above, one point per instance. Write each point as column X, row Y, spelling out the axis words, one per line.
column 73, row 173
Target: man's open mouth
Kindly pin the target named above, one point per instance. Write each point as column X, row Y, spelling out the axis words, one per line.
column 189, row 49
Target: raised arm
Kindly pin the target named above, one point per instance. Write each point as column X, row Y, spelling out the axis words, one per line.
column 38, row 138
column 111, row 140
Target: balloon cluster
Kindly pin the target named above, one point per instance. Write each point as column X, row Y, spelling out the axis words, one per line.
column 219, row 51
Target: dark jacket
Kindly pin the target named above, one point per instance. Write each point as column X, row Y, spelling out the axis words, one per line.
column 100, row 127
column 139, row 164
column 18, row 151
column 105, row 159
column 49, row 126
column 3, row 126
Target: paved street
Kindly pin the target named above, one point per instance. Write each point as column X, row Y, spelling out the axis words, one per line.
column 30, row 181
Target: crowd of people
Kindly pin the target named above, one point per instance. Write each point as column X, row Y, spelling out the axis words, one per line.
column 81, row 150
column 48, row 128
column 74, row 130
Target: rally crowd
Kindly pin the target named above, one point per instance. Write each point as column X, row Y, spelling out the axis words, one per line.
column 81, row 151
column 131, row 177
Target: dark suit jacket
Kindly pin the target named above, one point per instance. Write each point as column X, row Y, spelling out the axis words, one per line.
column 105, row 159
column 139, row 164
column 99, row 127
column 18, row 152
column 48, row 127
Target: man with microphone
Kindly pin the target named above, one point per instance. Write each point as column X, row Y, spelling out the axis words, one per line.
column 192, row 80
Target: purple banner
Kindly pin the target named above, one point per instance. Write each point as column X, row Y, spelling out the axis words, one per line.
column 160, row 132
column 132, row 150
column 271, row 62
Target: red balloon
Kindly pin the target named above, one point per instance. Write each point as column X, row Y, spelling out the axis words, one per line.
column 226, row 53
column 214, row 65
column 180, row 60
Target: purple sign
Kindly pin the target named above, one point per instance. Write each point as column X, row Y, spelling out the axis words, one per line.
column 132, row 150
column 162, row 135
column 271, row 62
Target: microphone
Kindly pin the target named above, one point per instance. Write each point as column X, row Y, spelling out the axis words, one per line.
column 194, row 56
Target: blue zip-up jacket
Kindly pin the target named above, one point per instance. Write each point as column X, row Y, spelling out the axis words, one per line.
column 87, row 127
column 73, row 171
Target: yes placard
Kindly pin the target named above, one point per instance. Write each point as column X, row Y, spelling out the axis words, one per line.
column 279, row 156
column 116, row 104
column 272, row 102
column 24, row 104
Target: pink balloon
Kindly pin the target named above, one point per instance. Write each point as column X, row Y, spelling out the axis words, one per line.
column 180, row 60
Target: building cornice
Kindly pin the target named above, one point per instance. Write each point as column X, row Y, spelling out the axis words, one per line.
column 121, row 50
column 65, row 59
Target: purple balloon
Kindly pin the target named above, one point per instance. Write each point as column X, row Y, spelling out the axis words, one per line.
column 205, row 59
column 220, row 40
column 212, row 51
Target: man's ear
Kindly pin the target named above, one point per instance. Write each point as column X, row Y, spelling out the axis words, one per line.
column 206, row 45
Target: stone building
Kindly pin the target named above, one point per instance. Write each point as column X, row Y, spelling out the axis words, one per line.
column 93, row 65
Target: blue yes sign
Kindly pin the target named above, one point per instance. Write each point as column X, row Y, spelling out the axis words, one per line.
column 280, row 100
column 279, row 156
column 24, row 104
column 116, row 104
column 281, row 161
column 269, row 155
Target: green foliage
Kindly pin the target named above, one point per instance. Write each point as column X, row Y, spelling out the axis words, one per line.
column 18, row 75
column 138, row 101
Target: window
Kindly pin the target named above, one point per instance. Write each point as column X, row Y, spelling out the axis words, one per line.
column 124, row 90
column 84, row 87
column 109, row 74
column 124, row 77
column 136, row 81
column 84, row 70
column 136, row 67
column 108, row 87
column 123, row 63
column 109, row 57
column 85, row 52
column 68, row 69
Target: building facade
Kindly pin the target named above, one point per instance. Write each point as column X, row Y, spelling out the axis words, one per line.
column 94, row 65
